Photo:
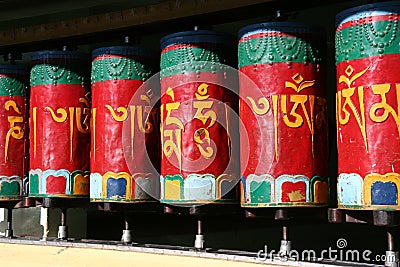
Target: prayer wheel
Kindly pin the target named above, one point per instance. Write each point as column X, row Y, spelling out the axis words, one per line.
column 283, row 108
column 14, row 82
column 197, row 165
column 59, row 125
column 368, row 94
column 123, row 170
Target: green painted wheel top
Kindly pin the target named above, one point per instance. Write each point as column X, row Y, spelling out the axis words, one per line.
column 277, row 42
column 195, row 52
column 14, row 80
column 59, row 67
column 368, row 31
column 122, row 63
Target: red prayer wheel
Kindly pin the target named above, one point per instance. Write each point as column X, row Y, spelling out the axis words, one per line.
column 59, row 125
column 14, row 81
column 123, row 165
column 196, row 119
column 283, row 108
column 368, row 98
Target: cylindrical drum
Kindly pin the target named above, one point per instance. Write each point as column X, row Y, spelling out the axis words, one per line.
column 368, row 106
column 123, row 168
column 197, row 163
column 283, row 109
column 14, row 81
column 59, row 125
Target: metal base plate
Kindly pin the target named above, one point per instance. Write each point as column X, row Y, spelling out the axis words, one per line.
column 283, row 214
column 214, row 209
column 388, row 218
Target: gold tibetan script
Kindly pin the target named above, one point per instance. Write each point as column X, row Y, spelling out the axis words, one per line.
column 15, row 131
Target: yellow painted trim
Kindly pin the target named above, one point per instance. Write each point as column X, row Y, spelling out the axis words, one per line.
column 369, row 207
column 94, row 111
column 71, row 134
column 374, row 177
column 242, row 194
column 34, row 114
column 80, row 179
column 220, row 179
column 50, row 256
column 321, row 194
column 173, row 189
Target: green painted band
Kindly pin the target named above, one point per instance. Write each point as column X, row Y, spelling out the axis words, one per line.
column 190, row 55
column 274, row 49
column 10, row 86
column 194, row 68
column 367, row 40
column 45, row 73
column 120, row 69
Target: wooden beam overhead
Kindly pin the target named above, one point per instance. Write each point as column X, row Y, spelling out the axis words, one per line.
column 156, row 13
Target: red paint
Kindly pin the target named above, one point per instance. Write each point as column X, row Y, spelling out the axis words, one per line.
column 293, row 188
column 185, row 86
column 17, row 162
column 295, row 145
column 276, row 33
column 55, row 184
column 275, row 75
column 53, row 138
column 367, row 20
column 383, row 138
column 110, row 152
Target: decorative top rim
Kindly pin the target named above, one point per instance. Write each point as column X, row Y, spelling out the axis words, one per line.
column 123, row 51
column 14, row 69
column 380, row 6
column 54, row 54
column 289, row 27
column 199, row 36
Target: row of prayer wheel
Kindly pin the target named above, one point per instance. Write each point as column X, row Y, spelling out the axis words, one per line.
column 199, row 130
